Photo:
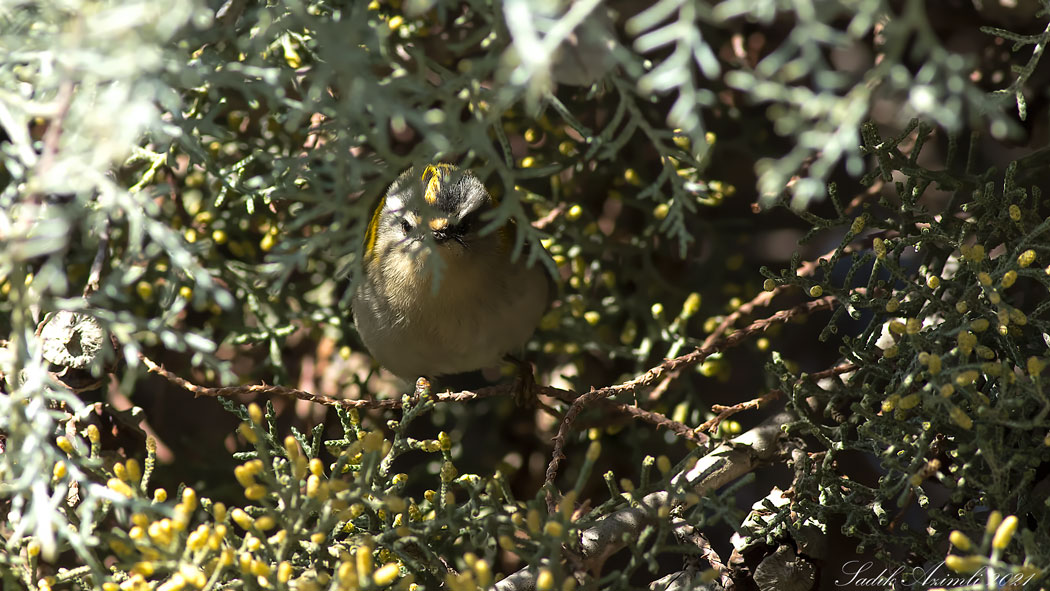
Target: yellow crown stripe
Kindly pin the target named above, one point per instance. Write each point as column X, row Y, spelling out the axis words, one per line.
column 372, row 232
column 432, row 178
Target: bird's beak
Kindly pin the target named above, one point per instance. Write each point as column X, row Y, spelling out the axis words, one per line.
column 442, row 232
column 439, row 227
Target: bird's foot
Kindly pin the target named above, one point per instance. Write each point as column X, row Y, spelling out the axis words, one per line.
column 524, row 384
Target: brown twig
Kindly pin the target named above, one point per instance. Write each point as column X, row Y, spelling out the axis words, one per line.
column 680, row 429
column 724, row 412
column 830, row 372
column 655, row 418
column 761, row 300
column 650, row 377
column 552, row 215
column 229, row 391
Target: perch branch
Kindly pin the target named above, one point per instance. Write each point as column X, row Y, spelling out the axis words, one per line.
column 566, row 396
column 654, row 374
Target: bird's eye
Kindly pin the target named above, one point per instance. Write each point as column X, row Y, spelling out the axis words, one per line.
column 467, row 224
column 406, row 226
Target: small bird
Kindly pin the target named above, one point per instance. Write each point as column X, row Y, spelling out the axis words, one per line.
column 438, row 297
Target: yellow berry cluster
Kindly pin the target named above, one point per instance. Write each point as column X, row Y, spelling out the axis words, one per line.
column 998, row 534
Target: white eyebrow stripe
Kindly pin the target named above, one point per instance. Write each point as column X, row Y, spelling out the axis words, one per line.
column 394, row 204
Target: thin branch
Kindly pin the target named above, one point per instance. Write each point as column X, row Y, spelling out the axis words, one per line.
column 566, row 396
column 552, row 215
column 655, row 418
column 257, row 389
column 724, row 412
column 761, row 300
column 650, row 377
